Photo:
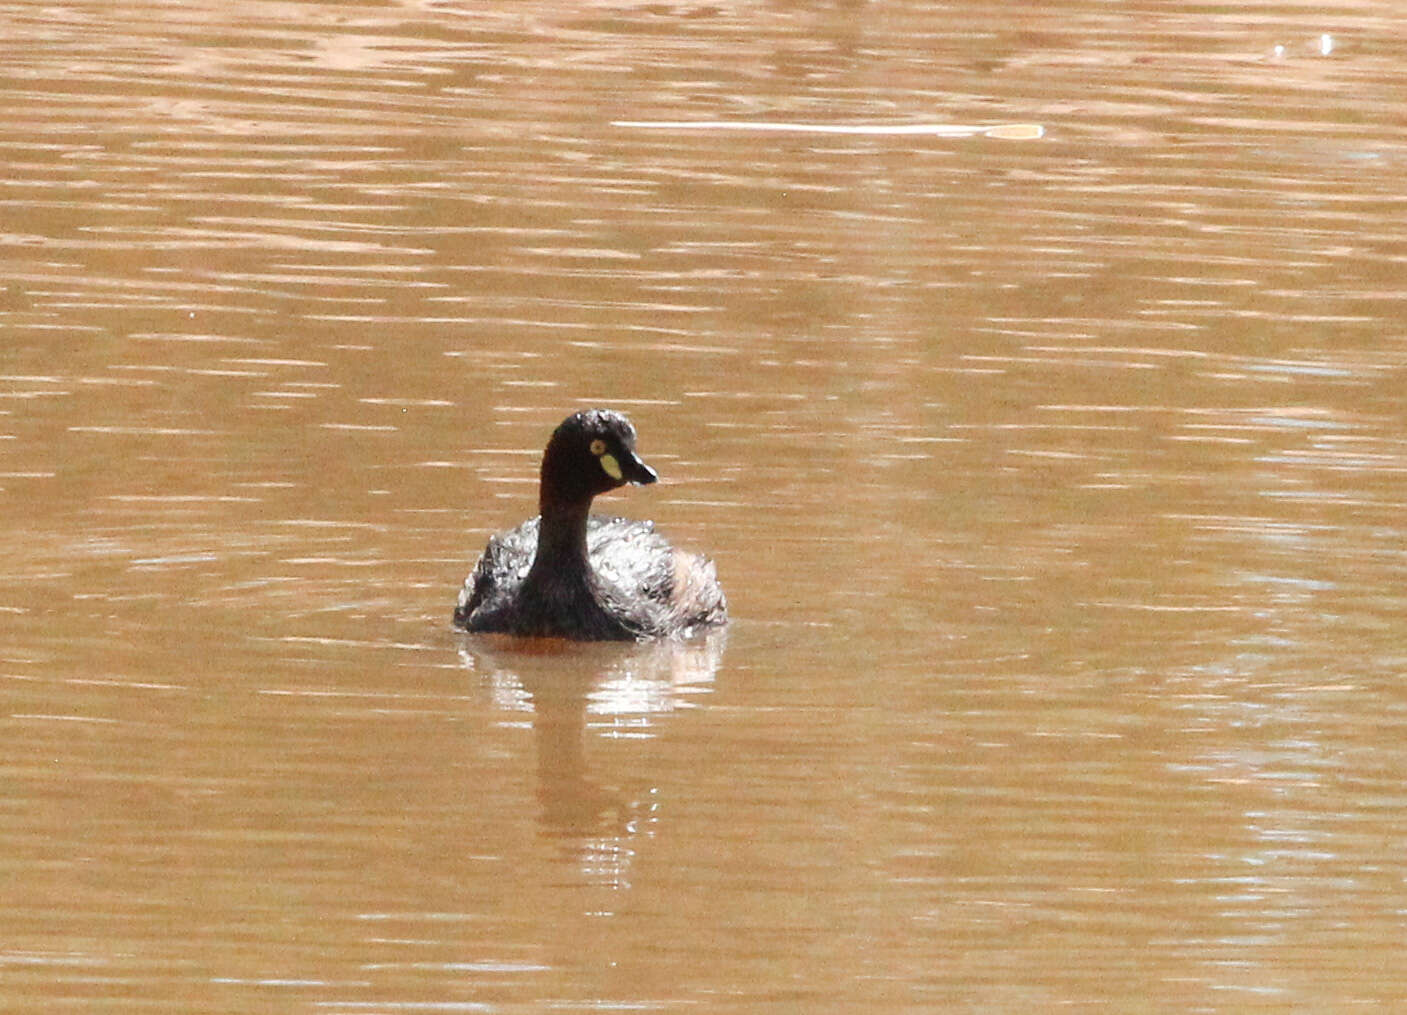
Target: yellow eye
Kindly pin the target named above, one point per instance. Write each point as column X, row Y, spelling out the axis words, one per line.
column 598, row 447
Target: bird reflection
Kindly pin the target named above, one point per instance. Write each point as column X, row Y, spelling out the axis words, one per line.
column 621, row 691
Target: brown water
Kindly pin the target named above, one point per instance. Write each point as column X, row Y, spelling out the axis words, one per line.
column 1057, row 486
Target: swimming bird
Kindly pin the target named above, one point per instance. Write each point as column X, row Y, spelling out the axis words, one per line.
column 570, row 574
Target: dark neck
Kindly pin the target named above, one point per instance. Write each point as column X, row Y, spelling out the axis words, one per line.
column 561, row 593
column 561, row 542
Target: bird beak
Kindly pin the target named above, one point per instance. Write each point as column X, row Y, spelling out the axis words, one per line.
column 633, row 470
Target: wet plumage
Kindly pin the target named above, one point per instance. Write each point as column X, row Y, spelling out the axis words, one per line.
column 571, row 574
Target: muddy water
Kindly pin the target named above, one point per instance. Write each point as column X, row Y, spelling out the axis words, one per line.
column 1057, row 486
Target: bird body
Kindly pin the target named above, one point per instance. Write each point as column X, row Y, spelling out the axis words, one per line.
column 570, row 574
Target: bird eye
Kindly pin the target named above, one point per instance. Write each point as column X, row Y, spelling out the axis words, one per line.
column 598, row 447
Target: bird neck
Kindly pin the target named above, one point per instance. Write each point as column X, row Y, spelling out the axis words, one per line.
column 561, row 541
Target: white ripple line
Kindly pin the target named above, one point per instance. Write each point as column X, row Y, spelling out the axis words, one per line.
column 1008, row 130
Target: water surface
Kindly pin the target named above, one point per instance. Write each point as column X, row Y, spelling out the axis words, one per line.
column 1056, row 484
